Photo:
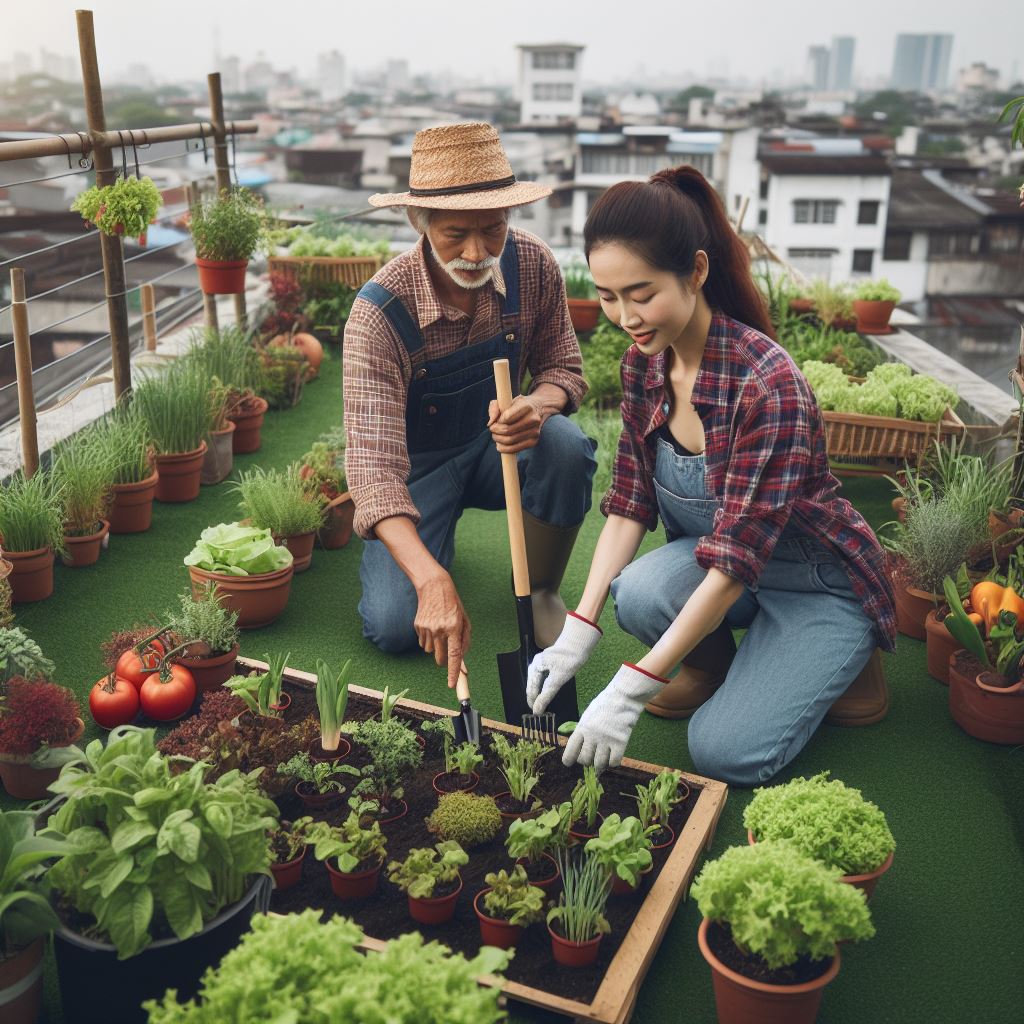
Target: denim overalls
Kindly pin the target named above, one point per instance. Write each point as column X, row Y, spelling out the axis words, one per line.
column 454, row 464
column 808, row 637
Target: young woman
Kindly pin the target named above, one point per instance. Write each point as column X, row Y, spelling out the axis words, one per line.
column 722, row 440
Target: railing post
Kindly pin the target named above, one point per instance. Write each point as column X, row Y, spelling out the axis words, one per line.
column 111, row 246
column 149, row 316
column 23, row 368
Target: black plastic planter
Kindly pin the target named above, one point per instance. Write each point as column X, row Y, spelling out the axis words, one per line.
column 97, row 988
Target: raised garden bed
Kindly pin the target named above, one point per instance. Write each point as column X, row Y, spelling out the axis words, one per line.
column 354, row 271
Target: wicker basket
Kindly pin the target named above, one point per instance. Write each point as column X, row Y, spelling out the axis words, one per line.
column 354, row 271
column 879, row 442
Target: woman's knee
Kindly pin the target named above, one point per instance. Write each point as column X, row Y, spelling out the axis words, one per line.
column 635, row 605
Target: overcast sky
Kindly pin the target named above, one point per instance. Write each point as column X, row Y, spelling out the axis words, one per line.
column 758, row 39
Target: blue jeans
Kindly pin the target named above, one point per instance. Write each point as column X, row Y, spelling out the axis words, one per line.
column 808, row 637
column 555, row 477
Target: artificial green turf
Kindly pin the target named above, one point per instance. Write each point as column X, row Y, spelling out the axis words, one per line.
column 950, row 912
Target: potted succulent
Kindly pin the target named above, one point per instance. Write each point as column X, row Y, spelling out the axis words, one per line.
column 358, row 848
column 331, row 702
column 430, row 879
column 507, row 906
column 21, row 656
column 39, row 726
column 279, row 501
column 581, row 297
column 828, row 821
column 122, row 438
column 317, row 784
column 263, row 692
column 468, row 819
column 580, row 911
column 207, row 636
column 26, row 918
column 253, row 575
column 322, row 469
column 623, row 846
column 772, row 920
column 534, row 843
column 586, row 798
column 194, row 858
column 227, row 230
column 655, row 801
column 127, row 207
column 84, row 476
column 873, row 303
column 288, row 845
column 460, row 764
column 32, row 530
column 393, row 753
column 518, row 764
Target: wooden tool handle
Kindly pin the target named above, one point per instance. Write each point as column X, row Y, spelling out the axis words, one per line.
column 462, row 686
column 513, row 499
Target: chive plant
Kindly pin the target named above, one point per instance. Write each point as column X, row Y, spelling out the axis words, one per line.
column 83, row 473
column 32, row 513
column 176, row 408
column 226, row 354
column 122, row 437
column 586, row 884
column 279, row 501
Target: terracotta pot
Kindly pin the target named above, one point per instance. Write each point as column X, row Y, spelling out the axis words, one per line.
column 740, row 1000
column 337, row 529
column 259, row 599
column 550, row 881
column 399, row 808
column 219, row 458
column 355, row 886
column 493, row 930
column 474, row 781
column 301, row 547
column 317, row 753
column 179, row 474
column 21, row 985
column 28, row 783
column 31, row 576
column 873, row 317
column 800, row 306
column 986, row 712
column 573, row 954
column 510, row 816
column 665, row 843
column 85, row 550
column 313, row 800
column 434, row 911
column 284, row 702
column 212, row 672
column 584, row 313
column 940, row 646
column 620, row 887
column 582, row 837
column 1002, row 522
column 912, row 608
column 248, row 425
column 132, row 509
column 222, row 277
column 288, row 874
column 843, row 323
column 899, row 506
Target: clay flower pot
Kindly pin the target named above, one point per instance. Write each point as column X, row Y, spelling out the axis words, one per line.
column 212, row 671
column 317, row 753
column 222, row 277
column 873, row 317
column 504, row 799
column 801, row 306
column 437, row 910
column 248, row 424
column 940, row 646
column 981, row 708
column 573, row 954
column 259, row 599
column 21, row 984
column 301, row 547
column 493, row 930
column 739, row 999
column 85, row 550
column 132, row 509
column 582, row 834
column 396, row 810
column 31, row 577
column 219, row 457
column 439, row 780
column 179, row 474
column 548, row 881
column 584, row 313
column 912, row 608
column 337, row 529
column 355, row 885
column 288, row 874
column 669, row 839
column 23, row 781
column 899, row 506
column 314, row 801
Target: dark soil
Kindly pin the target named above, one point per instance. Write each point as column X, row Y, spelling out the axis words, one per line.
column 452, row 782
column 754, row 967
column 966, row 664
column 540, row 870
column 508, row 804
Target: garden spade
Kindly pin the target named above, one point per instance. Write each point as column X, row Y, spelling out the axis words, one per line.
column 513, row 666
column 467, row 722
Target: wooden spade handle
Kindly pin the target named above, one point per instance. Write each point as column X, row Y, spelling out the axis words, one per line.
column 462, row 686
column 513, row 499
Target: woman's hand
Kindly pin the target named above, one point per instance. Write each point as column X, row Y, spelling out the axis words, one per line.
column 556, row 665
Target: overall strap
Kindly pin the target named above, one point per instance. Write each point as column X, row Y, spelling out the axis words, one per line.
column 397, row 313
column 510, row 272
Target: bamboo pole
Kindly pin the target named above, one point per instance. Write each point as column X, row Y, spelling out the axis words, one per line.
column 209, row 301
column 149, row 316
column 23, row 369
column 111, row 246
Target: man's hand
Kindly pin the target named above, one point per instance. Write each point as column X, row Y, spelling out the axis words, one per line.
column 518, row 427
column 441, row 624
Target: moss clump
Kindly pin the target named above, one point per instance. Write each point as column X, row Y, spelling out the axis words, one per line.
column 469, row 819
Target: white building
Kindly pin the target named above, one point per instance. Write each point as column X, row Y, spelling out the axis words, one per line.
column 331, row 75
column 979, row 77
column 548, row 85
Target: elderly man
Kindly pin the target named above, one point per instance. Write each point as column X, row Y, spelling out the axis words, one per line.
column 424, row 432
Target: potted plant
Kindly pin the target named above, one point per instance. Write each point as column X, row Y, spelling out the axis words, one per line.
column 580, row 912
column 623, row 846
column 288, row 845
column 331, row 702
column 207, row 636
column 127, row 207
column 279, row 501
column 84, row 476
column 122, row 439
column 828, row 821
column 263, row 692
column 219, row 458
column 393, row 753
column 21, row 656
column 194, row 858
column 586, row 798
column 32, row 528
column 317, row 784
column 358, row 848
column 253, row 575
column 430, row 879
column 460, row 764
column 581, row 297
column 772, row 921
column 322, row 469
column 227, row 230
column 308, row 344
column 873, row 304
column 327, row 309
column 26, row 918
column 39, row 726
column 655, row 800
column 831, row 303
column 285, row 296
column 535, row 842
column 283, row 376
column 507, row 906
column 468, row 819
column 519, row 768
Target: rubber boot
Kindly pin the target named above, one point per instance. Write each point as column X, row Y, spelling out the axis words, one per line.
column 547, row 553
column 866, row 699
column 699, row 676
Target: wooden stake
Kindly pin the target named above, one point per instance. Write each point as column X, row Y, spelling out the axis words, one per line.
column 209, row 301
column 23, row 369
column 149, row 316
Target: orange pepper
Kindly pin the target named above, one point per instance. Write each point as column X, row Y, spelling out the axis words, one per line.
column 988, row 599
column 1012, row 602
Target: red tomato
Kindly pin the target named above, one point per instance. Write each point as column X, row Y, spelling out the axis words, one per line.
column 113, row 701
column 134, row 668
column 169, row 695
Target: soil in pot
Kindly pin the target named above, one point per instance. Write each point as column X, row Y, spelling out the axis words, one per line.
column 360, row 884
column 663, row 838
column 212, row 671
column 982, row 704
column 440, row 907
column 719, row 940
column 453, row 782
column 314, row 801
column 317, row 753
column 581, row 831
column 85, row 550
column 248, row 423
column 510, row 807
column 132, row 508
column 24, row 782
column 31, row 577
column 179, row 472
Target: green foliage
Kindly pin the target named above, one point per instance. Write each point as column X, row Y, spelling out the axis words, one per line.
column 388, row 701
column 602, row 356
column 547, row 833
column 232, row 226
column 807, row 340
column 204, row 620
column 824, row 819
column 321, row 775
column 519, row 764
column 279, row 501
column 780, row 904
column 463, row 759
column 877, row 291
column 423, row 869
column 326, row 239
column 151, row 846
column 296, row 969
column 331, row 701
column 586, row 886
column 578, row 282
column 1007, row 646
column 468, row 819
column 176, row 407
column 656, row 799
column 323, row 468
column 226, row 353
column 261, row 691
column 237, row 550
column 605, row 427
column 329, row 308
column 586, row 796
column 831, row 301
column 512, row 898
column 83, row 473
column 122, row 438
column 21, row 656
column 290, row 839
column 351, row 844
column 393, row 752
column 32, row 512
column 282, row 373
column 125, row 208
column 623, row 846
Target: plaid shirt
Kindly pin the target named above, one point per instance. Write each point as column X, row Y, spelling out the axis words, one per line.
column 765, row 463
column 377, row 368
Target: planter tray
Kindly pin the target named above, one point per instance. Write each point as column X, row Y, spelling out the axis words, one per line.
column 616, row 994
column 354, row 271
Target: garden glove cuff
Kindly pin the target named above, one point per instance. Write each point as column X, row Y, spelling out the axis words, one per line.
column 603, row 731
column 556, row 665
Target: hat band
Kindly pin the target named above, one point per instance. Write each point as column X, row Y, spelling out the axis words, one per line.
column 457, row 190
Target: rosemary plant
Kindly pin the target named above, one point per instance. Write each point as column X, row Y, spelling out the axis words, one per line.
column 205, row 620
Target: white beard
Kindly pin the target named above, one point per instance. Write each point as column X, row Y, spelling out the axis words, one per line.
column 452, row 268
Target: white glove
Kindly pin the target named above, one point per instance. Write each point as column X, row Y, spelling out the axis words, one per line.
column 602, row 734
column 557, row 664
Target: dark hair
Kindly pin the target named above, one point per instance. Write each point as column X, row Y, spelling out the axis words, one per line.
column 665, row 221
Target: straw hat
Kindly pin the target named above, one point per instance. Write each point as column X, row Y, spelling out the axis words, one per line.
column 461, row 167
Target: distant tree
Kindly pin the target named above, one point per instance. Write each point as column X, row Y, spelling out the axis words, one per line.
column 894, row 110
column 681, row 100
column 137, row 112
column 359, row 99
column 941, row 147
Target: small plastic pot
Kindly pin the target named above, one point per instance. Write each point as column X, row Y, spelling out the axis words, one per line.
column 573, row 954
column 493, row 930
column 395, row 816
column 665, row 843
column 548, row 882
column 317, row 753
column 357, row 885
column 434, row 911
column 288, row 874
column 313, row 800
column 620, row 887
column 582, row 837
column 511, row 816
column 474, row 781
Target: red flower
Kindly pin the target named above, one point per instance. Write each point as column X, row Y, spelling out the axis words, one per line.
column 33, row 714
